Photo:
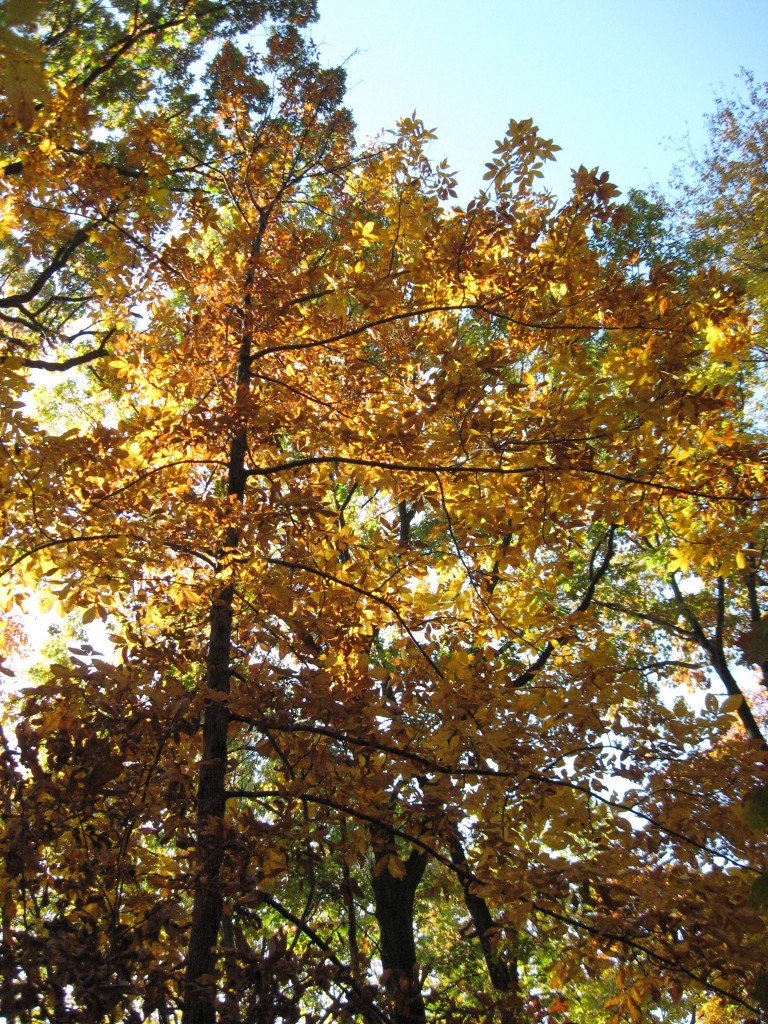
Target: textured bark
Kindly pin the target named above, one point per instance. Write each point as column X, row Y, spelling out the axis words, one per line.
column 200, row 994
column 394, row 899
column 202, row 973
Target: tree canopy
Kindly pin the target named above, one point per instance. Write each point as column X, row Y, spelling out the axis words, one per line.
column 424, row 540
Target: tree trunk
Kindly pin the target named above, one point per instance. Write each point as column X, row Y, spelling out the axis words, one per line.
column 394, row 900
column 200, row 992
column 201, row 976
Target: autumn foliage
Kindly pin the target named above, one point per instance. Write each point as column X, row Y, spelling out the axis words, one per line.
column 411, row 547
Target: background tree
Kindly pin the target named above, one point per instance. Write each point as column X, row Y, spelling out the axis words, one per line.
column 714, row 222
column 704, row 610
column 726, row 188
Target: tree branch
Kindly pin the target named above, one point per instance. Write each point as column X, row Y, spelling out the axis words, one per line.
column 68, row 364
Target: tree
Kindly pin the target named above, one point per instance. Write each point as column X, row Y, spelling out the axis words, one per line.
column 726, row 202
column 713, row 220
column 711, row 613
column 347, row 473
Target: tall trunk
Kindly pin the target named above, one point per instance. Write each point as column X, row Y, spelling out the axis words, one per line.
column 201, row 977
column 394, row 899
column 200, row 996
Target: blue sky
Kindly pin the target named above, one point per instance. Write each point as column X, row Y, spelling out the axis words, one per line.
column 620, row 85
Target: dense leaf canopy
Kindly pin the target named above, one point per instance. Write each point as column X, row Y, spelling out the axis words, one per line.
column 424, row 542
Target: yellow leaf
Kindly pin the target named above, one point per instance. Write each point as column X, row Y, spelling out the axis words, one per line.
column 21, row 12
column 717, row 343
column 679, row 562
column 731, row 703
column 21, row 76
column 395, row 866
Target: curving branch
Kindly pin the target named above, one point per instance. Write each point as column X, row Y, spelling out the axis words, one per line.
column 316, row 939
column 463, row 468
column 68, row 364
column 595, row 575
column 715, row 652
column 59, row 261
